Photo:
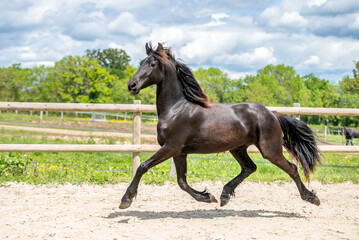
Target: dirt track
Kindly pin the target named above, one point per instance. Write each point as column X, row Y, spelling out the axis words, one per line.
column 259, row 211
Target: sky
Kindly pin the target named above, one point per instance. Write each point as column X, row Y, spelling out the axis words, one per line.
column 239, row 37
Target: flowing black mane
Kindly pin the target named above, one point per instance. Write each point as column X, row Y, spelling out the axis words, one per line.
column 191, row 89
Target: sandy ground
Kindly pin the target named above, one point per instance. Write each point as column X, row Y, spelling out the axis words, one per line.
column 259, row 211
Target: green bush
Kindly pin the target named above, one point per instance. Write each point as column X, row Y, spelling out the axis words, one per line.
column 13, row 164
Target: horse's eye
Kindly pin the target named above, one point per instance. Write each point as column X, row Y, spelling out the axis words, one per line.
column 152, row 64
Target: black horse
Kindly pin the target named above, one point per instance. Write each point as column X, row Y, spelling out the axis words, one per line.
column 189, row 123
column 350, row 133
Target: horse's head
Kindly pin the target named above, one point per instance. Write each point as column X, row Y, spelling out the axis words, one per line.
column 151, row 70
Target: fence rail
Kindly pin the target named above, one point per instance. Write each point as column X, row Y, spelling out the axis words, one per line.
column 137, row 108
column 88, row 107
column 77, row 107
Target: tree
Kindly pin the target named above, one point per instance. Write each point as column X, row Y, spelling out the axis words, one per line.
column 218, row 86
column 79, row 80
column 351, row 85
column 112, row 58
column 14, row 82
column 120, row 93
column 349, row 95
column 321, row 94
column 288, row 84
column 264, row 88
column 256, row 92
column 349, row 89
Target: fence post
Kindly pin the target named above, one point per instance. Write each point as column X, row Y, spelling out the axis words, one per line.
column 296, row 116
column 325, row 133
column 172, row 169
column 136, row 138
column 41, row 116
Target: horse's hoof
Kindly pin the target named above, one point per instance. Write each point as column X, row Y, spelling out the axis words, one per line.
column 316, row 201
column 212, row 199
column 224, row 201
column 125, row 204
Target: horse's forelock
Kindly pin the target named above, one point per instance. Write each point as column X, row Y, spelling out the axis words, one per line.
column 161, row 54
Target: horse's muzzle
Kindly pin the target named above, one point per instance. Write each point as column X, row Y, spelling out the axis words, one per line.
column 132, row 87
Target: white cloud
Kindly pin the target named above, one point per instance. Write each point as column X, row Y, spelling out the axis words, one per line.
column 216, row 19
column 204, row 45
column 37, row 63
column 238, row 75
column 319, row 36
column 312, row 60
column 39, row 48
column 270, row 13
column 275, row 17
column 173, row 35
column 355, row 23
column 292, row 19
column 315, row 3
column 125, row 23
column 124, row 5
column 260, row 55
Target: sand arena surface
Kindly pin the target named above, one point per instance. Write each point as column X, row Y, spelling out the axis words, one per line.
column 259, row 211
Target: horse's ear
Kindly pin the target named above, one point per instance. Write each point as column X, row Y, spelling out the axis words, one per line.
column 148, row 49
column 159, row 47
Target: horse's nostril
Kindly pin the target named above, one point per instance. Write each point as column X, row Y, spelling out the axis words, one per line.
column 132, row 85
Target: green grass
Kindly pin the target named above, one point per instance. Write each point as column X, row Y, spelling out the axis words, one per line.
column 101, row 168
column 336, row 168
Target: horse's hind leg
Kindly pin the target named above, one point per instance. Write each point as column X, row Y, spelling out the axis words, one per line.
column 292, row 170
column 248, row 167
column 181, row 169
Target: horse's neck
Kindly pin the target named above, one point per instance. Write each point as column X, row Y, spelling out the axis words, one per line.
column 169, row 92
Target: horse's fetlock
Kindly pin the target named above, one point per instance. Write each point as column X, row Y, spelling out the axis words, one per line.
column 252, row 168
column 182, row 184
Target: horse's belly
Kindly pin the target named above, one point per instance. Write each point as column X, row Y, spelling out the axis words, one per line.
column 210, row 146
column 218, row 138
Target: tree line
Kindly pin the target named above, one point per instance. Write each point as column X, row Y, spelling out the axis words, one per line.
column 101, row 76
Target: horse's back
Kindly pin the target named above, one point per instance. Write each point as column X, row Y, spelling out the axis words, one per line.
column 356, row 133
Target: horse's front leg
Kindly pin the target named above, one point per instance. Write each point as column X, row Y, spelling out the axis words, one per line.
column 161, row 155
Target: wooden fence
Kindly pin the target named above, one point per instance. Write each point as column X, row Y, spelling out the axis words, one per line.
column 137, row 108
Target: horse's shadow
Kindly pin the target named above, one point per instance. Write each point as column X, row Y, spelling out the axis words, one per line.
column 203, row 214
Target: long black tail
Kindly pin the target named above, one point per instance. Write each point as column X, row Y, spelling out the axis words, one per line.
column 299, row 141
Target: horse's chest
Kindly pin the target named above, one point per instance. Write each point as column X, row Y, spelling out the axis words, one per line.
column 162, row 129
